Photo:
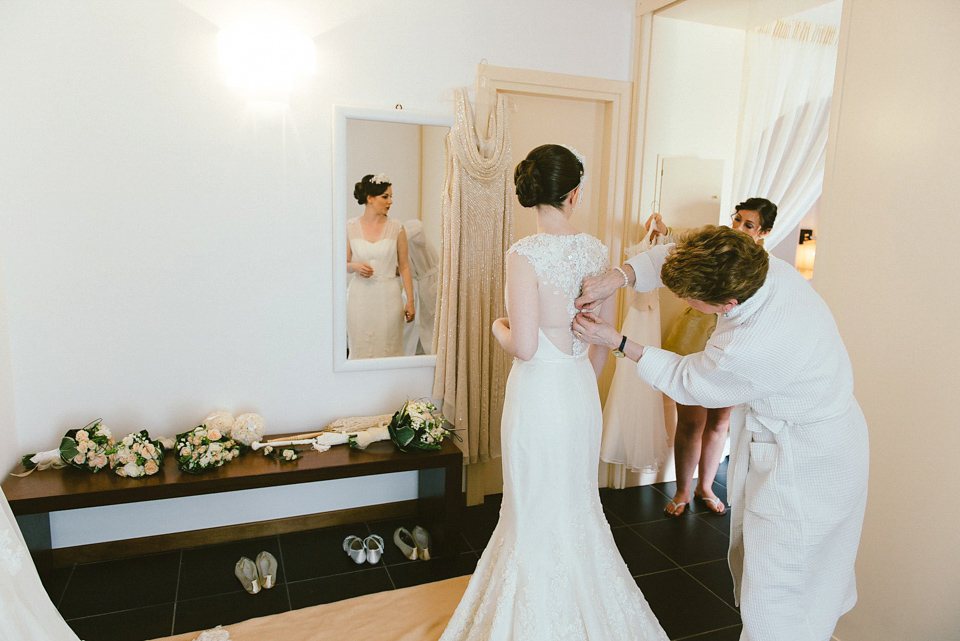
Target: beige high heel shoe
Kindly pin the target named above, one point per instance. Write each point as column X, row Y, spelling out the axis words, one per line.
column 422, row 538
column 267, row 570
column 404, row 541
column 246, row 571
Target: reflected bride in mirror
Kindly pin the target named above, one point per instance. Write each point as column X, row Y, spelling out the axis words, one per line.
column 376, row 256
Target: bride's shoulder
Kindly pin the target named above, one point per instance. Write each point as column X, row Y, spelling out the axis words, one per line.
column 526, row 244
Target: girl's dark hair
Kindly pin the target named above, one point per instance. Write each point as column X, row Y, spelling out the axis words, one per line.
column 547, row 175
column 766, row 210
column 366, row 188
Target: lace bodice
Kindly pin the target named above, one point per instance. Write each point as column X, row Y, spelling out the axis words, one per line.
column 561, row 263
column 380, row 254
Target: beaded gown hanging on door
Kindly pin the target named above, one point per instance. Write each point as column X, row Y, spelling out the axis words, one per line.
column 551, row 570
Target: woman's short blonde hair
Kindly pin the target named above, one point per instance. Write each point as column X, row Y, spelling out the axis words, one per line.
column 714, row 265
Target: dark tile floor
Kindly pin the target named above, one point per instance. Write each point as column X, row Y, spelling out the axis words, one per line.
column 680, row 564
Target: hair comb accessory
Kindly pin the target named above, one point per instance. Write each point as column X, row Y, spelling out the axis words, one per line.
column 379, row 179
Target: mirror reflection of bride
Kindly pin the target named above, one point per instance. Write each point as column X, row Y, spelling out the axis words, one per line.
column 376, row 253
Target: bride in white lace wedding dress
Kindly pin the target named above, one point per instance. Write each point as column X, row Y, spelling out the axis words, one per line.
column 551, row 570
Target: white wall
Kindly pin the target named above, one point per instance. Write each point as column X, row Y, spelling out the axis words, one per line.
column 694, row 89
column 887, row 265
column 166, row 248
column 10, row 453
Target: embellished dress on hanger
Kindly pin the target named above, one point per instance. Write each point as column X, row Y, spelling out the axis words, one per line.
column 634, row 429
column 375, row 304
column 551, row 570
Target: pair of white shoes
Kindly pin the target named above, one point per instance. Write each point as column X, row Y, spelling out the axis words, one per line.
column 258, row 574
column 415, row 545
column 367, row 550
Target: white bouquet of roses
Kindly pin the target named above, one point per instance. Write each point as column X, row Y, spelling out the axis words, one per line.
column 135, row 455
column 418, row 425
column 204, row 448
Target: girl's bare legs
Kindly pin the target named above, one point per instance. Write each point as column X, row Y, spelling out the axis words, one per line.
column 711, row 451
column 687, row 443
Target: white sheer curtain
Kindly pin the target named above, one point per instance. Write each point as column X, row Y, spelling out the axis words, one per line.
column 785, row 112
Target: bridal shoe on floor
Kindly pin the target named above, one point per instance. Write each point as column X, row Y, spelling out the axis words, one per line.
column 373, row 546
column 422, row 538
column 246, row 571
column 404, row 541
column 353, row 546
column 267, row 570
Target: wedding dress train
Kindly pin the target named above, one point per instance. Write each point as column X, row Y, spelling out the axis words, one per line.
column 26, row 612
column 551, row 570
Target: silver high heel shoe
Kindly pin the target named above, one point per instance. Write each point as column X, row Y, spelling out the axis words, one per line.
column 422, row 538
column 373, row 546
column 267, row 570
column 353, row 546
column 246, row 571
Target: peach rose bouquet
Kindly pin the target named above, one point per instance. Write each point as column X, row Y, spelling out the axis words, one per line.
column 204, row 448
column 135, row 455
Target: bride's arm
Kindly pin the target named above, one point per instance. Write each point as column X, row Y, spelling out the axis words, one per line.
column 599, row 353
column 517, row 333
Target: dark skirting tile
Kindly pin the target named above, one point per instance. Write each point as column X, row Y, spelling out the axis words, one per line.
column 421, row 572
column 339, row 587
column 122, row 584
column 726, row 634
column 683, row 606
column 317, row 553
column 209, row 570
column 195, row 615
column 129, row 625
column 55, row 582
column 715, row 575
column 479, row 521
column 634, row 504
column 640, row 556
column 685, row 539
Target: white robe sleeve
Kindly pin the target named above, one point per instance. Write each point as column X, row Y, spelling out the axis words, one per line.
column 646, row 265
column 699, row 379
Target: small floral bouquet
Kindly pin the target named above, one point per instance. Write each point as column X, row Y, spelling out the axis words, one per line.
column 204, row 448
column 84, row 448
column 282, row 453
column 135, row 455
column 418, row 425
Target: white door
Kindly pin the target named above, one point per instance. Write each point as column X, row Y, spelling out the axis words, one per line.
column 688, row 197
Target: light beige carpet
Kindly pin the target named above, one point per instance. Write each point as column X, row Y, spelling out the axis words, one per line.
column 419, row 613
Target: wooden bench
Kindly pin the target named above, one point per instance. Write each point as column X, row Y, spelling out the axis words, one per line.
column 33, row 497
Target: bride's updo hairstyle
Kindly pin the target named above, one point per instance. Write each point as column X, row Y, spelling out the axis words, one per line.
column 547, row 175
column 370, row 186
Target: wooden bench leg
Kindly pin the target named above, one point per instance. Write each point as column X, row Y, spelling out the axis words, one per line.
column 35, row 529
column 439, row 506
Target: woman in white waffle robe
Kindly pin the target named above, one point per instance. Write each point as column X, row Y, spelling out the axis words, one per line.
column 799, row 455
column 551, row 570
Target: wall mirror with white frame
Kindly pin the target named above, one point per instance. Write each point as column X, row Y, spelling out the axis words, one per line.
column 407, row 148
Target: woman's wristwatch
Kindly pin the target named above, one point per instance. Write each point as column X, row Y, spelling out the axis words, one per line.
column 619, row 351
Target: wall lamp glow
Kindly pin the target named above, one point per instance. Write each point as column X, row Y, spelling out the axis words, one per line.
column 265, row 57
